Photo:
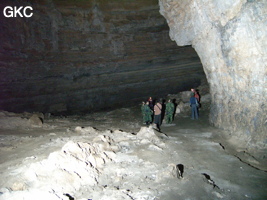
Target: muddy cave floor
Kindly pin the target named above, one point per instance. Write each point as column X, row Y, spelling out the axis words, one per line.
column 212, row 168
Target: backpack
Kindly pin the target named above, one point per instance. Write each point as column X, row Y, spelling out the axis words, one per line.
column 197, row 104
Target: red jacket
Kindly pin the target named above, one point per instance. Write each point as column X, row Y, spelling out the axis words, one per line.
column 196, row 95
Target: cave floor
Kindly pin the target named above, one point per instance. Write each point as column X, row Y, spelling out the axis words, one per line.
column 211, row 168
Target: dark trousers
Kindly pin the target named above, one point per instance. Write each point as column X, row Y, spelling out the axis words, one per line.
column 194, row 111
column 157, row 120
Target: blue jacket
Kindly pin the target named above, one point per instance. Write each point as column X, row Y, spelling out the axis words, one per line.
column 193, row 100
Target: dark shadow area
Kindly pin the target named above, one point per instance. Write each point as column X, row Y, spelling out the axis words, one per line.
column 180, row 170
column 69, row 196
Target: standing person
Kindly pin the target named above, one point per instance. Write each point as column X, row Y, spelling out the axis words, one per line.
column 194, row 107
column 169, row 111
column 157, row 114
column 195, row 93
column 143, row 111
column 151, row 104
column 148, row 114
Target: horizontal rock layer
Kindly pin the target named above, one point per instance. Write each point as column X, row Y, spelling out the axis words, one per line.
column 90, row 55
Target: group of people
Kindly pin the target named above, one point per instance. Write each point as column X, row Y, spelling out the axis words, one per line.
column 154, row 111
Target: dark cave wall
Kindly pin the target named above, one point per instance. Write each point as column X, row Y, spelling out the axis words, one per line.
column 90, row 55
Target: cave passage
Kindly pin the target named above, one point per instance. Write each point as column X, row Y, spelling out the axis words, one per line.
column 81, row 57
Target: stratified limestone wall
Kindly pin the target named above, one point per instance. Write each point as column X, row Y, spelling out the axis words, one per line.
column 230, row 38
column 86, row 55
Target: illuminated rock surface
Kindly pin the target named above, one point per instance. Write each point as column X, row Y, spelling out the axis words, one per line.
column 230, row 39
